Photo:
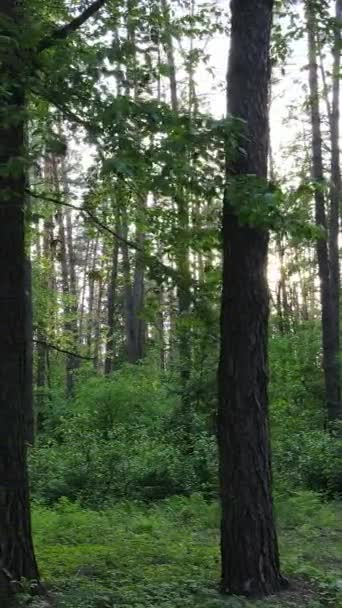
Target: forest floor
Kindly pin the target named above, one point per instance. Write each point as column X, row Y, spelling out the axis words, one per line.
column 166, row 555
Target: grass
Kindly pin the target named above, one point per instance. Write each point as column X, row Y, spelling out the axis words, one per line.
column 167, row 555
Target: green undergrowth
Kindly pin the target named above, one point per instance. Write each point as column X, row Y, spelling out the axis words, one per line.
column 166, row 555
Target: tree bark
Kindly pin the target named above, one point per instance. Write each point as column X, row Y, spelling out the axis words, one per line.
column 328, row 266
column 249, row 549
column 17, row 558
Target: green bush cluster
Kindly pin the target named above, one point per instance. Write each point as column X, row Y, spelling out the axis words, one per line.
column 118, row 441
column 122, row 437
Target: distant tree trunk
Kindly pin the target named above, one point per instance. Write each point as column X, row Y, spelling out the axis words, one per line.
column 98, row 319
column 45, row 258
column 17, row 558
column 139, row 289
column 283, row 308
column 91, row 297
column 69, row 310
column 134, row 300
column 335, row 201
column 111, row 300
column 72, row 363
column 249, row 549
column 181, row 250
column 328, row 273
column 85, row 265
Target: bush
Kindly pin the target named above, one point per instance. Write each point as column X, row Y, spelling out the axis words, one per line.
column 99, row 471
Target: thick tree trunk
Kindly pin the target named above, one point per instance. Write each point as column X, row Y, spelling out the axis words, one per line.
column 328, row 273
column 17, row 558
column 30, row 422
column 249, row 550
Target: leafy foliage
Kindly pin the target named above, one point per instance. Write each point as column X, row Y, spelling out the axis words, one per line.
column 167, row 554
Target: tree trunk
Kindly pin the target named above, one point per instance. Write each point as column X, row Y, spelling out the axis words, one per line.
column 327, row 274
column 46, row 321
column 98, row 319
column 68, row 311
column 181, row 253
column 111, row 299
column 249, row 549
column 85, row 266
column 30, row 421
column 91, row 298
column 139, row 290
column 134, row 300
column 17, row 558
column 335, row 201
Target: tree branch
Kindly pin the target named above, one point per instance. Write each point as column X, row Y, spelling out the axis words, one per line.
column 62, row 350
column 63, row 32
column 150, row 260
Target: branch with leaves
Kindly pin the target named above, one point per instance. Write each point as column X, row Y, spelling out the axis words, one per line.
column 63, row 32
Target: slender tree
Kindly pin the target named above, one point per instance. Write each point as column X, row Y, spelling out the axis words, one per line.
column 249, row 549
column 111, row 302
column 327, row 245
column 17, row 558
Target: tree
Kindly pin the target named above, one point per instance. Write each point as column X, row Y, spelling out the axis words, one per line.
column 249, row 549
column 17, row 559
column 16, row 549
column 327, row 245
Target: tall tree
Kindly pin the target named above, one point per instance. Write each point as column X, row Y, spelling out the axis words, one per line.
column 335, row 202
column 17, row 558
column 327, row 245
column 249, row 549
column 111, row 302
column 181, row 246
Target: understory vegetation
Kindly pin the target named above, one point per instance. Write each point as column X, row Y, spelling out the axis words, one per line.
column 166, row 554
column 170, row 304
column 122, row 438
column 126, row 516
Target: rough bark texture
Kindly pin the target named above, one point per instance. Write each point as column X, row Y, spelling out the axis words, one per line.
column 16, row 550
column 249, row 550
column 328, row 274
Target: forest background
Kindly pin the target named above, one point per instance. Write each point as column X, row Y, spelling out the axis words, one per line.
column 127, row 145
